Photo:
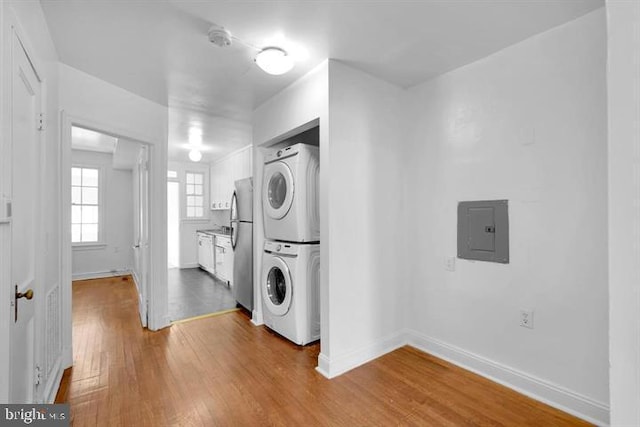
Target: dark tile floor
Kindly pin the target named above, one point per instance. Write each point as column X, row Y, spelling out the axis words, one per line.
column 194, row 292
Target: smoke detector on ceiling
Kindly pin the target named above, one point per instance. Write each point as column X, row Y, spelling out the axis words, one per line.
column 219, row 36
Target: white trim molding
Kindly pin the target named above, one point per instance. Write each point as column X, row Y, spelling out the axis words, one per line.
column 53, row 382
column 544, row 391
column 332, row 367
column 100, row 274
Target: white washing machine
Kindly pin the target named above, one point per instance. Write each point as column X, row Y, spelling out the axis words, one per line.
column 290, row 287
column 290, row 199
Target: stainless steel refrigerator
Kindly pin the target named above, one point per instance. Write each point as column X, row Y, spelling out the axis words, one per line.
column 242, row 242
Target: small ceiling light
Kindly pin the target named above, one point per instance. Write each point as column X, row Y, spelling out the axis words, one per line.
column 274, row 60
column 195, row 155
column 195, row 136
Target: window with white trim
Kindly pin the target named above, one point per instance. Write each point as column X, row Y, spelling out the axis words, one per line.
column 85, row 205
column 194, row 192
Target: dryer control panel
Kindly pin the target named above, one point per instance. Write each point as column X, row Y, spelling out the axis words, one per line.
column 282, row 248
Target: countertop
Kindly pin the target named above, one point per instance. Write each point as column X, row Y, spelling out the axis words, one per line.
column 221, row 231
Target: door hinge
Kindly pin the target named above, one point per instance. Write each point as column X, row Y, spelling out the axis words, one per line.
column 37, row 378
column 41, row 121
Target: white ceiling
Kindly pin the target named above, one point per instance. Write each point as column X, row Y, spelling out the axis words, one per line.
column 160, row 50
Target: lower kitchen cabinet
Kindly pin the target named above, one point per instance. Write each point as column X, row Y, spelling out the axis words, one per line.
column 205, row 252
column 224, row 258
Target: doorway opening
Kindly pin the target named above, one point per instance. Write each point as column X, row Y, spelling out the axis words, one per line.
column 198, row 251
column 105, row 186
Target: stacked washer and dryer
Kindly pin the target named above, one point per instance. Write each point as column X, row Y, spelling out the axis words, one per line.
column 290, row 281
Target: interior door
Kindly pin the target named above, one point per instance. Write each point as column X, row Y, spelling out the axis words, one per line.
column 25, row 175
column 142, row 245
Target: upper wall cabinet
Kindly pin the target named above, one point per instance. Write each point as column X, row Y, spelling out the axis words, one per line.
column 225, row 172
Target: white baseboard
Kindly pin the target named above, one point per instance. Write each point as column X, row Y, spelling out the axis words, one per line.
column 99, row 274
column 536, row 388
column 190, row 265
column 53, row 383
column 67, row 357
column 332, row 367
column 256, row 318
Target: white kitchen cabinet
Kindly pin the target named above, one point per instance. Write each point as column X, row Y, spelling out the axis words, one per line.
column 224, row 258
column 225, row 172
column 205, row 252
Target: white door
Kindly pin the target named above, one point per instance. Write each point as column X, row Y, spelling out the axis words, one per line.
column 277, row 196
column 142, row 245
column 25, row 175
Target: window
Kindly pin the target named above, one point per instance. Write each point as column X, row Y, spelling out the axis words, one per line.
column 195, row 195
column 85, row 205
column 172, row 174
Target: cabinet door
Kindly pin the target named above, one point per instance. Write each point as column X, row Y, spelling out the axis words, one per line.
column 225, row 194
column 228, row 264
column 220, row 260
column 217, row 175
column 201, row 253
column 245, row 165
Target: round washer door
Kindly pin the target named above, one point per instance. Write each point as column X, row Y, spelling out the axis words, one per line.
column 276, row 286
column 277, row 196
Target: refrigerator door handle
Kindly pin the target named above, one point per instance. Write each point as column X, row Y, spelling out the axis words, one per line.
column 232, row 220
column 234, row 238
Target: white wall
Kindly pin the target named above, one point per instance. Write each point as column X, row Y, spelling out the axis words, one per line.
column 364, row 178
column 220, row 217
column 94, row 103
column 116, row 254
column 188, row 226
column 527, row 124
column 33, row 28
column 623, row 82
column 298, row 105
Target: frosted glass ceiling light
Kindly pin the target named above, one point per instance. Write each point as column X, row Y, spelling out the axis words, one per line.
column 195, row 136
column 195, row 155
column 274, row 60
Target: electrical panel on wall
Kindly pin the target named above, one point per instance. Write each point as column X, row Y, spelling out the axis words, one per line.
column 483, row 230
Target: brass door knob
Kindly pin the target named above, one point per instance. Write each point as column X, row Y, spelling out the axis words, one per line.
column 27, row 295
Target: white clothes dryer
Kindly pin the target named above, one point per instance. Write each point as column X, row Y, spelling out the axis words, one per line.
column 290, row 199
column 290, row 287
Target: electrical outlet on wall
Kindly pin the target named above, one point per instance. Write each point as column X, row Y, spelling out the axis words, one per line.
column 450, row 263
column 526, row 318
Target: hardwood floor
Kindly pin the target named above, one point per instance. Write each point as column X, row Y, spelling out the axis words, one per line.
column 224, row 371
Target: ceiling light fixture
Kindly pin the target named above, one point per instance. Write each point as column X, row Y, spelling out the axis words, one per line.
column 273, row 60
column 195, row 136
column 195, row 155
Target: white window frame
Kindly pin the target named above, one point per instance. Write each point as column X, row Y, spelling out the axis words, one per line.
column 101, row 242
column 204, row 215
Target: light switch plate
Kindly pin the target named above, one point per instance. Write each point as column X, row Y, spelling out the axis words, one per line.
column 450, row 263
column 526, row 318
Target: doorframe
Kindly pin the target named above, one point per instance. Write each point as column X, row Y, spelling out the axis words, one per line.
column 174, row 181
column 11, row 27
column 157, row 305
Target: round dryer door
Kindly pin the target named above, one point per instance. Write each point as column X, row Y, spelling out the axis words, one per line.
column 276, row 286
column 278, row 190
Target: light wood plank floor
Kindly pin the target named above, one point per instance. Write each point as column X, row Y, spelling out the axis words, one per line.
column 224, row 371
